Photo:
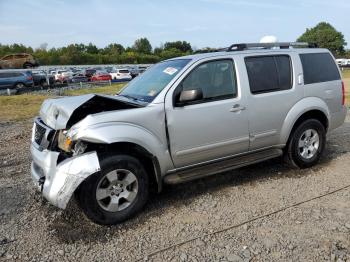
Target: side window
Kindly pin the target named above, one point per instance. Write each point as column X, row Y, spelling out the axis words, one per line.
column 9, row 57
column 216, row 79
column 5, row 75
column 269, row 73
column 319, row 67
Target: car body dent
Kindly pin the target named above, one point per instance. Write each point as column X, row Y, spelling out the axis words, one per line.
column 63, row 179
column 56, row 112
column 128, row 126
column 302, row 106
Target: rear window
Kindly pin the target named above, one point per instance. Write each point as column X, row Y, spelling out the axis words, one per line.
column 319, row 67
column 124, row 71
column 269, row 73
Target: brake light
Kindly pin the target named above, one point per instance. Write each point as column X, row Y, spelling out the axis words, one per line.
column 29, row 78
column 343, row 92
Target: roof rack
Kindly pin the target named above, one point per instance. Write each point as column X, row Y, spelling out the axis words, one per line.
column 281, row 45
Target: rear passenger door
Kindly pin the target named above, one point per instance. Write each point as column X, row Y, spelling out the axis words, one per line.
column 273, row 91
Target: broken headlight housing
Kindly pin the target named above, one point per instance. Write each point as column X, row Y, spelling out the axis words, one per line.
column 64, row 141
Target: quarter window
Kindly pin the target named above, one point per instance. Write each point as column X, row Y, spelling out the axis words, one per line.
column 319, row 67
column 216, row 79
column 269, row 73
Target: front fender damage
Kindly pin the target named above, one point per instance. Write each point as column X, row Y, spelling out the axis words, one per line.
column 60, row 187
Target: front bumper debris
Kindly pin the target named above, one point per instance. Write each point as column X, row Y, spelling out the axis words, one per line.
column 59, row 181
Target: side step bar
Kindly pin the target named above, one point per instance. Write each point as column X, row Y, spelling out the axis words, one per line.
column 196, row 172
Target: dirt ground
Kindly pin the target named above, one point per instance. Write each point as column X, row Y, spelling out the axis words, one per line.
column 265, row 212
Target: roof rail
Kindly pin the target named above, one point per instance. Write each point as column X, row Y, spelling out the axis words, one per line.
column 281, row 45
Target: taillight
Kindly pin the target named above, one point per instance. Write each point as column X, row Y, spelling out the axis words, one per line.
column 29, row 78
column 343, row 92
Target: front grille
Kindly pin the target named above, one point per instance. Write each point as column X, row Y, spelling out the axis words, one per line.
column 39, row 133
column 42, row 134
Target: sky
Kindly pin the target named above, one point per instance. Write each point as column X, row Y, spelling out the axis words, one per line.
column 213, row 23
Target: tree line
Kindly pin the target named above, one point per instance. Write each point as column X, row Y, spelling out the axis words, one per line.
column 323, row 34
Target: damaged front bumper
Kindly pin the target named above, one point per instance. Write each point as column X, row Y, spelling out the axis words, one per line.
column 57, row 182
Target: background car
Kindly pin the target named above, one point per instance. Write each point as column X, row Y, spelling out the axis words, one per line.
column 41, row 78
column 142, row 69
column 134, row 71
column 89, row 73
column 15, row 80
column 101, row 76
column 63, row 76
column 79, row 78
column 121, row 74
column 17, row 61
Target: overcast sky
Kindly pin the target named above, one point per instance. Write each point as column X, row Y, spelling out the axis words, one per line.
column 214, row 23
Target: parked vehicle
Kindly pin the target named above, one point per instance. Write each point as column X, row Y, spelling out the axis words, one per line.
column 79, row 78
column 63, row 76
column 89, row 73
column 12, row 81
column 42, row 79
column 101, row 76
column 120, row 74
column 183, row 119
column 18, row 61
column 142, row 69
column 134, row 72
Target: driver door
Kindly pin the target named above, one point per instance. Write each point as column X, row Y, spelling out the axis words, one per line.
column 214, row 126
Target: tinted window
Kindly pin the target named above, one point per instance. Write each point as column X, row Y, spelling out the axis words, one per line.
column 216, row 79
column 269, row 73
column 319, row 67
column 4, row 75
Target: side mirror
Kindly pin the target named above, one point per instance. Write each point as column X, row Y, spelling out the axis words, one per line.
column 189, row 96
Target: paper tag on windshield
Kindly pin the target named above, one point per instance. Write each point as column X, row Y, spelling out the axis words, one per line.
column 170, row 70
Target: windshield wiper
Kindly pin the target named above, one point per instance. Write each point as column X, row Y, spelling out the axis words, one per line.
column 129, row 97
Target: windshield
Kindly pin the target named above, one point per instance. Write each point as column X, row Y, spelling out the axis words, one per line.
column 148, row 85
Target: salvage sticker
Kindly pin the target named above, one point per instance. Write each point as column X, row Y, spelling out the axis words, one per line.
column 170, row 70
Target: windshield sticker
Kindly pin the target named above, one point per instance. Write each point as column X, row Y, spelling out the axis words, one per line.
column 170, row 70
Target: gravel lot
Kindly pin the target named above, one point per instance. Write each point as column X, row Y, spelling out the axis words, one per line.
column 262, row 212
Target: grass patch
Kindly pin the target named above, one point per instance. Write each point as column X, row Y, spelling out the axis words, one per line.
column 111, row 90
column 26, row 106
column 346, row 73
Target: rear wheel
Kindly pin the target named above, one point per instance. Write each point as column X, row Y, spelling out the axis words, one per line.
column 117, row 192
column 28, row 65
column 306, row 144
column 19, row 86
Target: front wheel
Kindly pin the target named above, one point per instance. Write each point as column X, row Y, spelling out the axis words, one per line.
column 306, row 144
column 117, row 192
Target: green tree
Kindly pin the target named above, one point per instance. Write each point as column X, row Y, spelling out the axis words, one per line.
column 326, row 36
column 143, row 46
column 114, row 49
column 91, row 49
column 183, row 46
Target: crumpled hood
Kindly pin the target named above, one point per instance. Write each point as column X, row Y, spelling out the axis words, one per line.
column 59, row 113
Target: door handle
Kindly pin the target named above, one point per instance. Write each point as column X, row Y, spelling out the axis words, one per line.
column 237, row 108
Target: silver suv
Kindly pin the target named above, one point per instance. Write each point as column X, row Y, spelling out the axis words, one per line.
column 183, row 119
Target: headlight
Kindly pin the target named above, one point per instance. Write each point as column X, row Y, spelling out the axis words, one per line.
column 64, row 142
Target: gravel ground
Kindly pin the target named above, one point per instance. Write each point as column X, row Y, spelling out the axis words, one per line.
column 262, row 212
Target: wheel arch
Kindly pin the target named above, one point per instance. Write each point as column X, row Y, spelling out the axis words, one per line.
column 307, row 108
column 150, row 161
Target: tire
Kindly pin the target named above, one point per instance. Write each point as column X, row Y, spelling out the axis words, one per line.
column 19, row 86
column 306, row 144
column 96, row 193
column 27, row 65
